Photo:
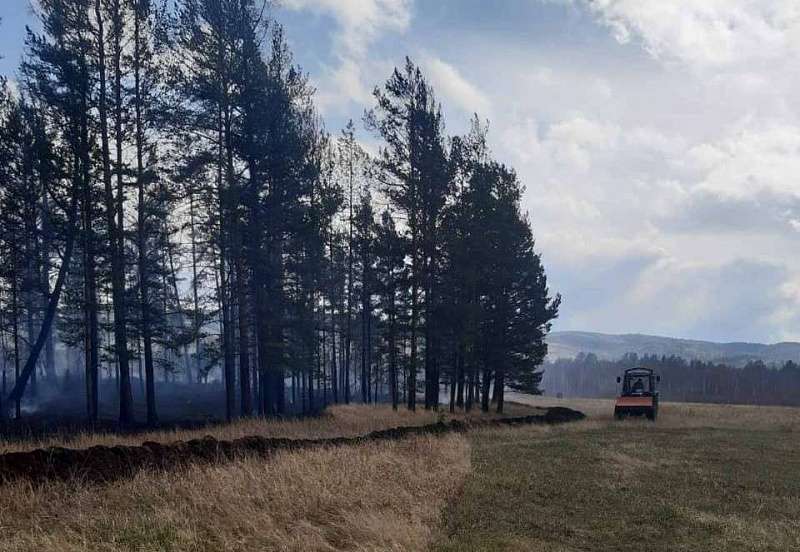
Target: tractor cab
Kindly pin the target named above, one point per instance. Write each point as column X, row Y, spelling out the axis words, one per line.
column 639, row 396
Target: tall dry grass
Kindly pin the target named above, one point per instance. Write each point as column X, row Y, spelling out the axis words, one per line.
column 338, row 420
column 377, row 496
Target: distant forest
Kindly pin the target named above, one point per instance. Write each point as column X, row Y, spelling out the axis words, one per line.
column 174, row 214
column 681, row 380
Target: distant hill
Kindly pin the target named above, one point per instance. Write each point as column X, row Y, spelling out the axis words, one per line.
column 608, row 346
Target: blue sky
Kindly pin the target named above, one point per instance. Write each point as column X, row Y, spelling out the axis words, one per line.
column 659, row 140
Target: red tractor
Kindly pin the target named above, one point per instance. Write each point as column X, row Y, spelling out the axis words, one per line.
column 639, row 395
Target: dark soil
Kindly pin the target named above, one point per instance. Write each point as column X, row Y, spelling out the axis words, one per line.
column 103, row 464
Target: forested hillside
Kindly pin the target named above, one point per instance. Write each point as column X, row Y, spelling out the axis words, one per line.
column 174, row 213
column 681, row 380
column 568, row 344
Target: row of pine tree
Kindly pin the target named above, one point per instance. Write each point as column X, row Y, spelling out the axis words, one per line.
column 171, row 205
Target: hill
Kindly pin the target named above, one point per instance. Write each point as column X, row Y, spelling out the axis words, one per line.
column 609, row 346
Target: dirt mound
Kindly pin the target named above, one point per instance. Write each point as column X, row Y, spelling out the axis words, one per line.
column 102, row 463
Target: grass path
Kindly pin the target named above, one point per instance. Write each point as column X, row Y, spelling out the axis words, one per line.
column 689, row 482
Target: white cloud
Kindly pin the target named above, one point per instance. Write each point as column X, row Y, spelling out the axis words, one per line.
column 751, row 161
column 455, row 88
column 670, row 204
column 706, row 33
column 345, row 84
column 574, row 141
column 649, row 230
column 360, row 21
column 360, row 24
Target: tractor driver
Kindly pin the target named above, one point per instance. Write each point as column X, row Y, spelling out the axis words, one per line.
column 638, row 386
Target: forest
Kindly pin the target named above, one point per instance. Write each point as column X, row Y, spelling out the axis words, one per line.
column 681, row 380
column 176, row 220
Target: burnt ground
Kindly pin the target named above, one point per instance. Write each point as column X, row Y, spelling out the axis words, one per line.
column 61, row 410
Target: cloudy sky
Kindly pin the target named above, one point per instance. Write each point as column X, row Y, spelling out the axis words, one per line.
column 659, row 140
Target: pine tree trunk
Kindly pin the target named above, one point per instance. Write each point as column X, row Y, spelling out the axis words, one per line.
column 115, row 236
column 222, row 271
column 227, row 342
column 428, row 348
column 392, row 343
column 118, row 259
column 143, row 269
column 244, row 342
column 44, row 279
column 412, row 371
column 49, row 346
column 29, row 277
column 370, row 375
column 349, row 335
column 198, row 350
column 262, row 334
column 50, row 313
column 499, row 388
column 470, row 389
column 460, row 377
column 322, row 356
column 15, row 332
column 91, row 324
column 485, row 382
column 364, row 313
column 452, row 382
column 311, row 399
column 334, row 372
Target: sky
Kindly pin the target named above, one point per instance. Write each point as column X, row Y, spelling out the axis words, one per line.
column 658, row 140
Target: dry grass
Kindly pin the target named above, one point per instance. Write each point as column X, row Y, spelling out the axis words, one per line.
column 378, row 496
column 703, row 477
column 340, row 420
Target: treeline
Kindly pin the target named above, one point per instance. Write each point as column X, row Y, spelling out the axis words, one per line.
column 681, row 380
column 173, row 208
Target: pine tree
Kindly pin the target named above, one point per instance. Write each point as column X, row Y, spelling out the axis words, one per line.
column 390, row 254
column 145, row 80
column 113, row 204
column 415, row 169
column 206, row 95
column 56, row 76
column 364, row 239
column 352, row 162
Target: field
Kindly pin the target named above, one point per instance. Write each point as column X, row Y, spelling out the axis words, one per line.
column 704, row 477
column 384, row 496
column 376, row 496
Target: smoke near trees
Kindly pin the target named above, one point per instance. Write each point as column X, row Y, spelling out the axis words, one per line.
column 174, row 212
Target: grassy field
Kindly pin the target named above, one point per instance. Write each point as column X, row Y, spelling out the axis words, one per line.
column 376, row 496
column 703, row 477
column 385, row 496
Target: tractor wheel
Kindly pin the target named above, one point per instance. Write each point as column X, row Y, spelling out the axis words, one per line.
column 651, row 414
